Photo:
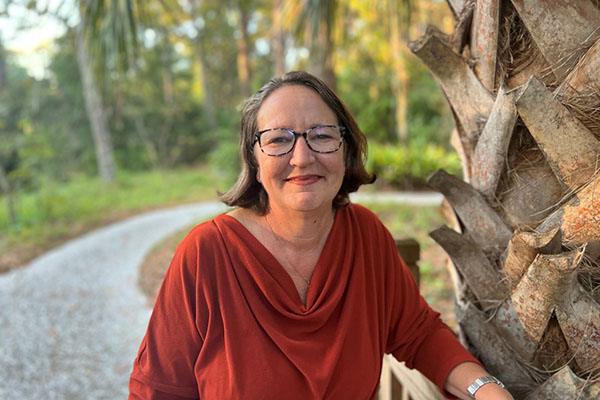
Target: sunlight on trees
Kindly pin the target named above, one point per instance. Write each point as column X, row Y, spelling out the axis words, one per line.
column 135, row 86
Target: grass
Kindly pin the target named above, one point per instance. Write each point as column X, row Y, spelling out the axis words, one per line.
column 58, row 212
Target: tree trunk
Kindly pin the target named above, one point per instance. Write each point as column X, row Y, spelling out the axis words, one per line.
column 95, row 110
column 278, row 40
column 202, row 70
column 243, row 50
column 164, row 130
column 319, row 32
column 522, row 79
column 7, row 189
column 4, row 181
column 400, row 80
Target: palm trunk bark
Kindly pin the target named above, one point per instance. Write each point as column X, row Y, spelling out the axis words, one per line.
column 519, row 76
column 95, row 109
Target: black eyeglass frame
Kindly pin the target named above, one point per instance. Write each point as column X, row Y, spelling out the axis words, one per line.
column 304, row 134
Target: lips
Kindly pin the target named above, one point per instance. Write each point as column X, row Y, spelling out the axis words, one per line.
column 303, row 179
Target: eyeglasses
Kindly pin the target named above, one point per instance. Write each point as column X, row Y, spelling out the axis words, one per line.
column 320, row 139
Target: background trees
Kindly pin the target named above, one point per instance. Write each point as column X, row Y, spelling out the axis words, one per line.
column 172, row 98
column 157, row 84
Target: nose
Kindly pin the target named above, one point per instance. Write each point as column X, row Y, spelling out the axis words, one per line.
column 302, row 155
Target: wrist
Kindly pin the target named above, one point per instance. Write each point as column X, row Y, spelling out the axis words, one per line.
column 488, row 382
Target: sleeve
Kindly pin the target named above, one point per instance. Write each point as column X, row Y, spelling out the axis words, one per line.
column 164, row 366
column 417, row 335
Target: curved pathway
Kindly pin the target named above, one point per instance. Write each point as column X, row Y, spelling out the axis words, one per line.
column 71, row 321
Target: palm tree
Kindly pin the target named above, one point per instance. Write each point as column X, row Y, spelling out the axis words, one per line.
column 107, row 29
column 522, row 79
column 316, row 19
column 94, row 106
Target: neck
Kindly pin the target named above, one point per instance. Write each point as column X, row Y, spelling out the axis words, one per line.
column 302, row 230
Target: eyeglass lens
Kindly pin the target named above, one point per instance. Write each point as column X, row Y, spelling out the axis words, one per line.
column 322, row 139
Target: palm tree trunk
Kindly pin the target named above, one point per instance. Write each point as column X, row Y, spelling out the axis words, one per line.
column 95, row 110
column 522, row 79
column 320, row 38
column 278, row 40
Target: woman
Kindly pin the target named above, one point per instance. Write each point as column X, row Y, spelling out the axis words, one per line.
column 295, row 294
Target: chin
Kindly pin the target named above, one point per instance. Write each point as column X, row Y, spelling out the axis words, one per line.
column 312, row 203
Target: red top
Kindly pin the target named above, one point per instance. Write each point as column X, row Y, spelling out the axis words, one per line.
column 229, row 323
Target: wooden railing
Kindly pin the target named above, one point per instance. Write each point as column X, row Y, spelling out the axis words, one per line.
column 397, row 381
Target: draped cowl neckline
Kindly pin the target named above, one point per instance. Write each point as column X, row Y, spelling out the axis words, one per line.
column 276, row 287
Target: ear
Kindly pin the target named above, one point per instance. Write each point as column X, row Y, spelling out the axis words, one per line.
column 258, row 175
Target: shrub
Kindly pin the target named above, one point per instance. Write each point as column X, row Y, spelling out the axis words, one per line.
column 407, row 167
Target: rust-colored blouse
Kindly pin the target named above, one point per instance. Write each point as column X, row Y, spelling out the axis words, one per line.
column 229, row 324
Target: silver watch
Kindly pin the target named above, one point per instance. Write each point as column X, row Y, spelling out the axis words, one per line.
column 479, row 382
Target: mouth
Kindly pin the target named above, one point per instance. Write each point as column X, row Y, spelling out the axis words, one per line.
column 303, row 179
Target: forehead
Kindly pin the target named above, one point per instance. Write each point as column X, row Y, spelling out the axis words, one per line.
column 294, row 106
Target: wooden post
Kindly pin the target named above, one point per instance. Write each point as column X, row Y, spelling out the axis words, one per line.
column 410, row 251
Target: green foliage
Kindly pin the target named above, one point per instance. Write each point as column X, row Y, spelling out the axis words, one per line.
column 369, row 98
column 85, row 200
column 429, row 117
column 157, row 110
column 409, row 167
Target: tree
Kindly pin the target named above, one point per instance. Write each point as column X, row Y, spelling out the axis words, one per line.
column 316, row 19
column 243, row 47
column 399, row 20
column 95, row 108
column 522, row 79
column 5, row 186
column 278, row 36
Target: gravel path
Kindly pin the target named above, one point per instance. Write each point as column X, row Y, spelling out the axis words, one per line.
column 71, row 322
column 412, row 198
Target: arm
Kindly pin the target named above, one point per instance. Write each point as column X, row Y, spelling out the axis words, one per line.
column 464, row 374
column 164, row 367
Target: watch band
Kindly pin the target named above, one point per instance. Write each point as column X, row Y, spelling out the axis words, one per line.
column 479, row 382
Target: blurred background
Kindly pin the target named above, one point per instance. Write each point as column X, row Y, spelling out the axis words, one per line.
column 110, row 108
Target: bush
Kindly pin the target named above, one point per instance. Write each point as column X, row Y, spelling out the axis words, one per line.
column 224, row 162
column 408, row 167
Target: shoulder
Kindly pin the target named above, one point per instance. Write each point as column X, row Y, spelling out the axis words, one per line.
column 203, row 233
column 201, row 243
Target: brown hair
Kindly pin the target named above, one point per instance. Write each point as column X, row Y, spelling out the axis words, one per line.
column 249, row 193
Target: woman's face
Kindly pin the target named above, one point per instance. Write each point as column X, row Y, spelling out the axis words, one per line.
column 301, row 180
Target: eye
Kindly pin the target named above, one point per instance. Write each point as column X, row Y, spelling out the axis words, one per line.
column 277, row 137
column 324, row 133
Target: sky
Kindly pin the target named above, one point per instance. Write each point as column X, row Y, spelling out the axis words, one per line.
column 31, row 45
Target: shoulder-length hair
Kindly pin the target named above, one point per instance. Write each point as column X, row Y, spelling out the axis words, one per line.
column 247, row 192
